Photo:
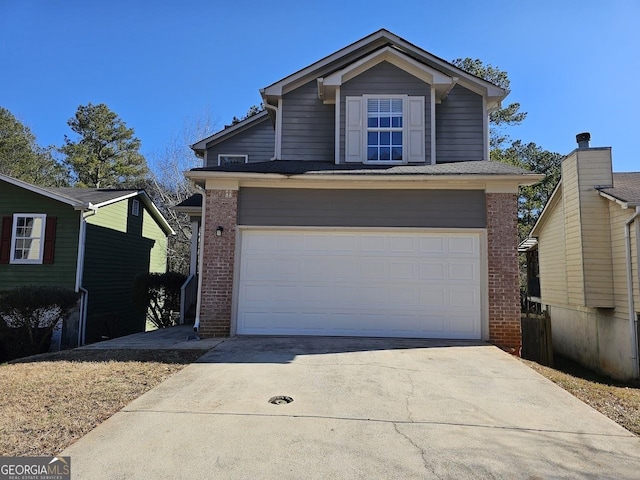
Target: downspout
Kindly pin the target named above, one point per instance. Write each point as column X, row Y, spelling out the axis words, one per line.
column 196, row 323
column 82, row 237
column 632, row 313
column 275, row 143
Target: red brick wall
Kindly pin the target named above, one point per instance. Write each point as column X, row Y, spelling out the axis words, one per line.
column 217, row 269
column 503, row 286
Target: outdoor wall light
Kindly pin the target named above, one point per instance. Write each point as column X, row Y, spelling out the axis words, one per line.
column 219, row 231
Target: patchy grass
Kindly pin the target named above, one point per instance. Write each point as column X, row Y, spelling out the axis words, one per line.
column 618, row 401
column 49, row 401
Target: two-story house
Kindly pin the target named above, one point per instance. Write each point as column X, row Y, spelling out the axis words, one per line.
column 361, row 202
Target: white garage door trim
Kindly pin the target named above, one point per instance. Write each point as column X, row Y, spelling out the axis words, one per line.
column 406, row 316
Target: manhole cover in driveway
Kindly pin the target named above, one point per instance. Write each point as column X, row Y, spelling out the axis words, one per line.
column 280, row 400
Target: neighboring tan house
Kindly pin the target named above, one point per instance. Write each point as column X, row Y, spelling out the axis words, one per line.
column 94, row 241
column 362, row 203
column 587, row 241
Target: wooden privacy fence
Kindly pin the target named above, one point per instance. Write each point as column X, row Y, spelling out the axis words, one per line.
column 536, row 338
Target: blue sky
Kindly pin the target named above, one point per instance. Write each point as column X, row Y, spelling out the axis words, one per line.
column 573, row 65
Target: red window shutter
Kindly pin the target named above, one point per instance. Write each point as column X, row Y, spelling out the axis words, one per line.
column 49, row 240
column 5, row 242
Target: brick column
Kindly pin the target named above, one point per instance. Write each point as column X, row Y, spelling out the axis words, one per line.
column 221, row 209
column 503, row 285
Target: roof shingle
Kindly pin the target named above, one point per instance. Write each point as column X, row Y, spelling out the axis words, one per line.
column 626, row 188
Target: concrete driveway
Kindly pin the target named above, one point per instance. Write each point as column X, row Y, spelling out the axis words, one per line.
column 363, row 408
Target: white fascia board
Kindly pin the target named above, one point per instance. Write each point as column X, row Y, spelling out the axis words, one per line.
column 506, row 180
column 553, row 199
column 113, row 200
column 191, row 210
column 44, row 192
column 155, row 213
column 622, row 203
column 229, row 131
column 395, row 57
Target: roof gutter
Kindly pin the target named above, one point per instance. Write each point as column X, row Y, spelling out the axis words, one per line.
column 276, row 112
column 203, row 175
column 633, row 321
column 82, row 237
column 196, row 323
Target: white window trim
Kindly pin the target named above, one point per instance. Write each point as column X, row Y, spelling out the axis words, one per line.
column 135, row 208
column 40, row 258
column 220, row 155
column 405, row 106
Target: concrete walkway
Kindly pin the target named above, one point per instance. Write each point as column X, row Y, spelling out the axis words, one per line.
column 180, row 337
column 362, row 408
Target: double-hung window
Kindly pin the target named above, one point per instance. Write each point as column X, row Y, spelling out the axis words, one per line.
column 384, row 130
column 27, row 239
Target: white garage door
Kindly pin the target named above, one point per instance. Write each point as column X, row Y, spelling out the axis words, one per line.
column 377, row 284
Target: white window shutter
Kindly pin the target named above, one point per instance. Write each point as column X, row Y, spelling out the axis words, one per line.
column 353, row 138
column 415, row 130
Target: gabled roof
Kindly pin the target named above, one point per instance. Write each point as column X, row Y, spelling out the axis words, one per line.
column 369, row 44
column 229, row 131
column 625, row 190
column 193, row 204
column 92, row 198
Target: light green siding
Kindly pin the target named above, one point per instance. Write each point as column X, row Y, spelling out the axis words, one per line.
column 62, row 272
column 119, row 246
column 112, row 216
column 150, row 229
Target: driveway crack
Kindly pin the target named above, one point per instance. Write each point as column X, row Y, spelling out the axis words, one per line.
column 408, row 397
column 423, row 452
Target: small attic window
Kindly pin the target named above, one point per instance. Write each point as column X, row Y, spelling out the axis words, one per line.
column 232, row 159
column 135, row 208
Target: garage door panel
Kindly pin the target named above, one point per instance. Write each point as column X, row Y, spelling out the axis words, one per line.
column 462, row 271
column 466, row 246
column 350, row 283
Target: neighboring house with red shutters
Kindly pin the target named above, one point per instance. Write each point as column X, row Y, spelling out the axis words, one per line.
column 362, row 202
column 94, row 241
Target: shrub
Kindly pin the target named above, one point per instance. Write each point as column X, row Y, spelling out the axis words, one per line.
column 34, row 311
column 157, row 295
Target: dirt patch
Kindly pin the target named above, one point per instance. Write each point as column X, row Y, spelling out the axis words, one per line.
column 618, row 401
column 49, row 401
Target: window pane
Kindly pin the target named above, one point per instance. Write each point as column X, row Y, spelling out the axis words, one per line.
column 372, row 138
column 372, row 105
column 32, row 251
column 396, row 105
column 385, row 153
column 385, row 138
column 396, row 138
column 385, row 122
column 372, row 153
column 396, row 153
column 36, row 230
column 385, row 104
column 372, row 122
column 396, row 122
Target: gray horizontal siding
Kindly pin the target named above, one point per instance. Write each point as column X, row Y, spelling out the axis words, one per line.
column 460, row 127
column 257, row 141
column 361, row 208
column 308, row 126
column 387, row 79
